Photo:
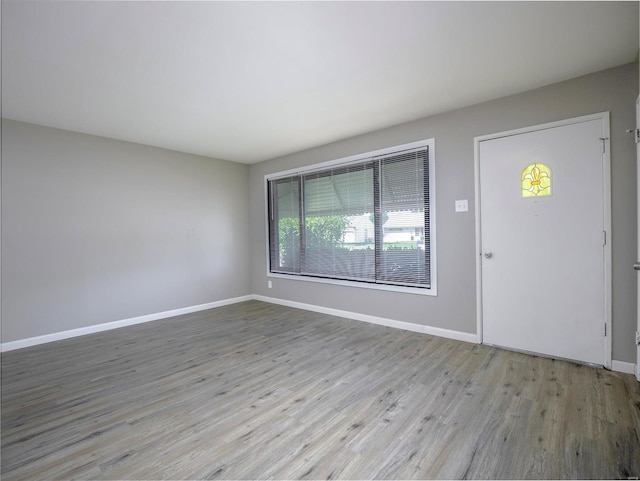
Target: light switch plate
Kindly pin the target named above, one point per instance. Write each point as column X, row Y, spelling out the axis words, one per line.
column 462, row 205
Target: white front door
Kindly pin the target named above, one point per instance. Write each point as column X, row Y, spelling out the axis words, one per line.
column 542, row 238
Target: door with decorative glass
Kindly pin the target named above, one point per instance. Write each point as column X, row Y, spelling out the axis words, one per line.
column 543, row 258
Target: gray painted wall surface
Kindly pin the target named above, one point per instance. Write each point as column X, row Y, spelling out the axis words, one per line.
column 96, row 230
column 454, row 308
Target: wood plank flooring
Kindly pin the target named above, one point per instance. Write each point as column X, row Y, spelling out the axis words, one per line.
column 258, row 391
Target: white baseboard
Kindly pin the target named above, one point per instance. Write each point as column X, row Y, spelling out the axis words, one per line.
column 57, row 336
column 407, row 326
column 621, row 366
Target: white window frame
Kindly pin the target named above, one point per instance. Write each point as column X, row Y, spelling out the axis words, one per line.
column 433, row 289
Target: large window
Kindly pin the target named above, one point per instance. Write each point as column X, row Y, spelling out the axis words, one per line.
column 366, row 220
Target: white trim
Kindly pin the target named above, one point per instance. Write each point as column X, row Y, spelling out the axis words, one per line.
column 479, row 306
column 548, row 125
column 359, row 284
column 637, row 330
column 57, row 336
column 407, row 326
column 606, row 222
column 267, row 221
column 352, row 158
column 433, row 289
column 606, row 173
column 432, row 218
column 618, row 366
column 621, row 366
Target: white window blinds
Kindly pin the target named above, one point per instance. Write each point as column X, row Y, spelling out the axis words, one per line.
column 364, row 221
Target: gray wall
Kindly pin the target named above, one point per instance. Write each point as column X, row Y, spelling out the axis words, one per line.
column 97, row 230
column 454, row 308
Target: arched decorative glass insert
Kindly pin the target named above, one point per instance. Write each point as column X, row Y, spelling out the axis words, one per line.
column 536, row 181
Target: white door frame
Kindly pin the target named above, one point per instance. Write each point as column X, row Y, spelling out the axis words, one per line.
column 606, row 172
column 638, row 254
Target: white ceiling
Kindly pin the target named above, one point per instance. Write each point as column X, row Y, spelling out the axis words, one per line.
column 249, row 81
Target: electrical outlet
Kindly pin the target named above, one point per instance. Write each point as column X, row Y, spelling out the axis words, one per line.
column 269, row 284
column 462, row 205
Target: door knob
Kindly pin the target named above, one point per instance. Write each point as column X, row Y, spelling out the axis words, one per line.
column 489, row 255
column 636, row 266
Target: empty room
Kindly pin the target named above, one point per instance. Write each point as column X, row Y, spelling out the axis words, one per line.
column 319, row 240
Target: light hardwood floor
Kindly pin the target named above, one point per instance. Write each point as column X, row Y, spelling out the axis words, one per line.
column 255, row 391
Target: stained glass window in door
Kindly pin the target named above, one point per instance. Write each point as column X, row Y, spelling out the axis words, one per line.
column 536, row 180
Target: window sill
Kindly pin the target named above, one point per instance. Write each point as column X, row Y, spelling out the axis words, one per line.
column 432, row 291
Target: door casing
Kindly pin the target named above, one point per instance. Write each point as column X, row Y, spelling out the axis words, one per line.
column 638, row 255
column 606, row 172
